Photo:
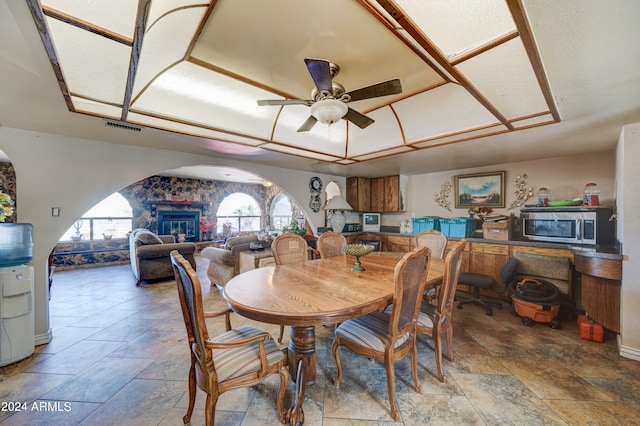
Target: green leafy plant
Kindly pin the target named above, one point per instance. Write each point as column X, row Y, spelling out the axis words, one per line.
column 6, row 206
column 294, row 228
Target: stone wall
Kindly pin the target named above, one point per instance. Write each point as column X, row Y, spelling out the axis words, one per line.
column 75, row 254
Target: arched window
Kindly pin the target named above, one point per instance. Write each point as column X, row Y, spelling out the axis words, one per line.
column 280, row 212
column 238, row 213
column 110, row 218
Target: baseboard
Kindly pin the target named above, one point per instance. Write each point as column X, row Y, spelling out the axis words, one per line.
column 627, row 352
column 43, row 339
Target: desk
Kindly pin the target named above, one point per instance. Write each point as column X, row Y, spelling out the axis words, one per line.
column 316, row 292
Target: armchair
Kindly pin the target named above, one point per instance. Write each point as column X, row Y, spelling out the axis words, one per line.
column 149, row 254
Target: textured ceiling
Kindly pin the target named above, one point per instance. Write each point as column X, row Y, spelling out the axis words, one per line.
column 483, row 82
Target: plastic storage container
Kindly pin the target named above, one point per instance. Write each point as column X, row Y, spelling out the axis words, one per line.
column 458, row 227
column 16, row 244
column 543, row 197
column 591, row 195
column 425, row 223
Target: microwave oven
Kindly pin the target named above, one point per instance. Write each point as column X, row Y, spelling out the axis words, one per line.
column 371, row 222
column 571, row 225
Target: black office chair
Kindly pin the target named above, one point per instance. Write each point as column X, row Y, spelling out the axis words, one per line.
column 478, row 281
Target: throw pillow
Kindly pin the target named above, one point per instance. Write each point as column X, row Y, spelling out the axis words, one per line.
column 148, row 238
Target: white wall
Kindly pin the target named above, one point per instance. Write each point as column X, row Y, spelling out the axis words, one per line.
column 75, row 174
column 628, row 195
column 564, row 176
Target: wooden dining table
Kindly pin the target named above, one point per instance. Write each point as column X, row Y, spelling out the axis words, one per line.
column 316, row 292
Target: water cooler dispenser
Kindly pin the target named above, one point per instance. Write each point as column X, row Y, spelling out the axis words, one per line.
column 17, row 339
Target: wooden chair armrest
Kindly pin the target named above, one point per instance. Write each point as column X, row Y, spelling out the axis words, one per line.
column 239, row 342
column 226, row 312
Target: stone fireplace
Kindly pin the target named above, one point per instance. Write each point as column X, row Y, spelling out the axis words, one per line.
column 179, row 222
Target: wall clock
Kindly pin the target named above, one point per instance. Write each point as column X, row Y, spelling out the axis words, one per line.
column 315, row 184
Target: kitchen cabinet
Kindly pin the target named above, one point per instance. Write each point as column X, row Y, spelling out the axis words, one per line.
column 601, row 287
column 359, row 193
column 377, row 194
column 401, row 244
column 489, row 259
column 383, row 194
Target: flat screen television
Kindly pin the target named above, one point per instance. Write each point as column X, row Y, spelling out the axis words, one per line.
column 371, row 222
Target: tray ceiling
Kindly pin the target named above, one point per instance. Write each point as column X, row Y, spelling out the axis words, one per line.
column 468, row 69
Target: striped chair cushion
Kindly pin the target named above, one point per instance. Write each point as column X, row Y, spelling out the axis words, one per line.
column 236, row 362
column 369, row 331
column 424, row 320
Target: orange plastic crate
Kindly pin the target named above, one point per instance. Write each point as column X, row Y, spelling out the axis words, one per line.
column 590, row 330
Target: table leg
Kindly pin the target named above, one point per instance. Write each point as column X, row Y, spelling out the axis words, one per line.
column 301, row 358
column 302, row 345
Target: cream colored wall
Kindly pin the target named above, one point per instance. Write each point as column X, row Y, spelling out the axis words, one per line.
column 564, row 176
column 628, row 194
column 75, row 174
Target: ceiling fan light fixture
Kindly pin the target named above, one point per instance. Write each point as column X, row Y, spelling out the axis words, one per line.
column 329, row 111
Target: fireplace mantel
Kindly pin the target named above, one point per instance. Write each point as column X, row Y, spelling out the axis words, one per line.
column 199, row 205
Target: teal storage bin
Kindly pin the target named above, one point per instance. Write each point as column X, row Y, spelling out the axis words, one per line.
column 458, row 227
column 425, row 223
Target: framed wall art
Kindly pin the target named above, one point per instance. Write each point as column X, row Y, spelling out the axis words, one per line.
column 480, row 190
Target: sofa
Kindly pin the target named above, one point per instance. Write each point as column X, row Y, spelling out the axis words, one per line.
column 149, row 254
column 224, row 262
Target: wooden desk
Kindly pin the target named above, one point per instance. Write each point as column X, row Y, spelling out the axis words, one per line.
column 316, row 292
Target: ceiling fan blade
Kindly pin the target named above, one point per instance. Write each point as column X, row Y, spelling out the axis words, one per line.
column 358, row 119
column 264, row 102
column 391, row 87
column 320, row 73
column 308, row 125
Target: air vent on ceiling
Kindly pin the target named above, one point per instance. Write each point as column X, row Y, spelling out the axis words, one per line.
column 122, row 125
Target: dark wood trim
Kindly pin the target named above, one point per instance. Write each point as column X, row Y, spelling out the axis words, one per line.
column 484, row 48
column 141, row 23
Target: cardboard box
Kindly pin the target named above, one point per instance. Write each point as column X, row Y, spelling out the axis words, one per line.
column 496, row 230
column 590, row 330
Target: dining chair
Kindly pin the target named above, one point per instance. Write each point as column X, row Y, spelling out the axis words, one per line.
column 435, row 240
column 371, row 239
column 434, row 319
column 390, row 336
column 288, row 248
column 236, row 358
column 330, row 244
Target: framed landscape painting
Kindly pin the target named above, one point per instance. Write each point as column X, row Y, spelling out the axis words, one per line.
column 480, row 190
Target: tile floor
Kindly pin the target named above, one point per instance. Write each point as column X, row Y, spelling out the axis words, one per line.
column 119, row 357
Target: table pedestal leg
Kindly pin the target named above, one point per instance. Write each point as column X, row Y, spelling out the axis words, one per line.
column 301, row 358
column 302, row 345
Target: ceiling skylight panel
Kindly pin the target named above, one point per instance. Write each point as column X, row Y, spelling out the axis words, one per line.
column 114, row 15
column 93, row 67
column 298, row 152
column 505, row 77
column 166, row 43
column 456, row 26
column 96, row 108
column 159, row 8
column 443, row 110
column 382, row 134
column 197, row 95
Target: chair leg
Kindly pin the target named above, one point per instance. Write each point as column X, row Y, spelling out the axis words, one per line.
column 210, row 410
column 391, row 387
column 414, row 365
column 186, row 419
column 284, row 378
column 437, row 343
column 452, row 357
column 476, row 300
column 336, row 355
column 281, row 334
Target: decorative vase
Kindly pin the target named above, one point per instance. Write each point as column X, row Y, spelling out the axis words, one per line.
column 357, row 250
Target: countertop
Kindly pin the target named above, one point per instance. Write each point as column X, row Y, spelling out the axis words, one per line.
column 608, row 252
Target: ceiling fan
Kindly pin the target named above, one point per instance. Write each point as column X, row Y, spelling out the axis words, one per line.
column 329, row 97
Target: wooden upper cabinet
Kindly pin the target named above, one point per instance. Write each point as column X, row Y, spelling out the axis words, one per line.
column 377, row 194
column 392, row 196
column 359, row 193
column 383, row 194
